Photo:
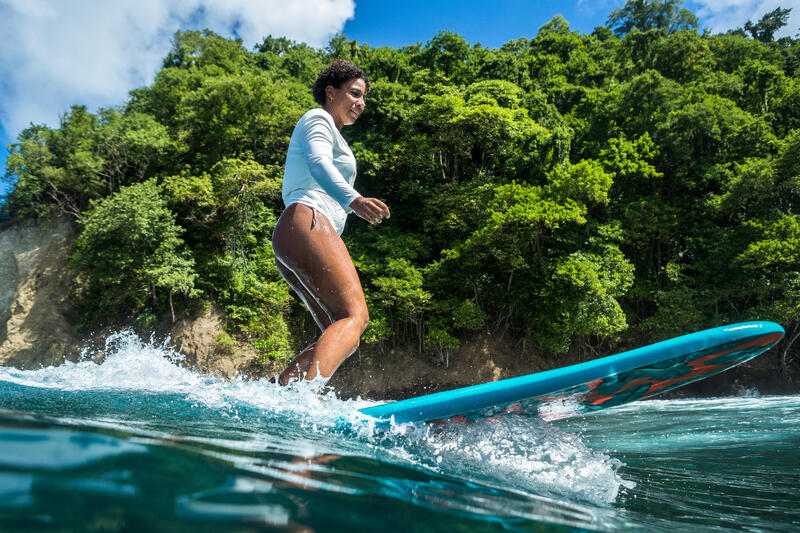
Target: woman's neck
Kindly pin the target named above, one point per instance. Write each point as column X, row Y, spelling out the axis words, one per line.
column 336, row 122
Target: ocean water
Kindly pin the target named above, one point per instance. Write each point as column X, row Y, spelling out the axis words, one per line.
column 138, row 443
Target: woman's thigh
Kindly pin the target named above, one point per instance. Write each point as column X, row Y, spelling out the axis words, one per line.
column 321, row 315
column 320, row 260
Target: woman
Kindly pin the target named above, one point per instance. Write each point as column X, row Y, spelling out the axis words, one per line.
column 318, row 193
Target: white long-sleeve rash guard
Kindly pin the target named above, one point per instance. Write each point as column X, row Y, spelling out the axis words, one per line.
column 320, row 168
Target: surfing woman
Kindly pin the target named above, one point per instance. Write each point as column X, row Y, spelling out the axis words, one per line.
column 318, row 193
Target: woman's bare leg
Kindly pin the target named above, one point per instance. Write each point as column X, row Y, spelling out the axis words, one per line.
column 321, row 264
column 320, row 315
column 301, row 363
column 299, row 366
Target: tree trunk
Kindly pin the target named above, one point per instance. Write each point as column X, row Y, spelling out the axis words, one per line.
column 790, row 339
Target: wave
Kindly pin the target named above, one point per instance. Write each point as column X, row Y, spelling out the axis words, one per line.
column 142, row 386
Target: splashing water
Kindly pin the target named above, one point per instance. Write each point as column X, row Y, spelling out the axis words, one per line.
column 166, row 446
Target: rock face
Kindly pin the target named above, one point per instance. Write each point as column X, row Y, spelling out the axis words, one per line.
column 37, row 318
column 197, row 339
column 35, row 326
column 399, row 374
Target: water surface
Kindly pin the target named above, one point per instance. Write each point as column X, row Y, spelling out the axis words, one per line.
column 140, row 443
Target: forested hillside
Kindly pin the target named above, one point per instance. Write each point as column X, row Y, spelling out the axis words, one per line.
column 642, row 180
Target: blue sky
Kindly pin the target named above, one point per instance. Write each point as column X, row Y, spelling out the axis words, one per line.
column 491, row 23
column 92, row 52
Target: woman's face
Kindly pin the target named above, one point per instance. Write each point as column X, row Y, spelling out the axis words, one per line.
column 346, row 103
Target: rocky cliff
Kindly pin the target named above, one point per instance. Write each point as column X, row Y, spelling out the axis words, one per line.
column 38, row 323
column 36, row 328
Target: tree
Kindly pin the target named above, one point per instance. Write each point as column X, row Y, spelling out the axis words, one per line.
column 231, row 115
column 31, row 170
column 130, row 146
column 230, row 212
column 557, row 24
column 58, row 168
column 764, row 30
column 208, row 51
column 449, row 53
column 682, row 56
column 774, row 259
column 129, row 246
column 281, row 45
column 646, row 15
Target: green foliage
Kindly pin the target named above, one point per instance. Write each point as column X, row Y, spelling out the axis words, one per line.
column 764, row 30
column 774, row 260
column 132, row 146
column 206, row 51
column 130, row 246
column 225, row 343
column 731, row 51
column 231, row 115
column 645, row 15
column 585, row 182
column 442, row 342
column 232, row 210
column 531, row 248
column 683, row 56
column 643, row 176
column 449, row 54
column 85, row 159
column 778, row 248
column 32, row 168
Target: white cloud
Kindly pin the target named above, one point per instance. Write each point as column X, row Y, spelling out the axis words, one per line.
column 722, row 15
column 92, row 52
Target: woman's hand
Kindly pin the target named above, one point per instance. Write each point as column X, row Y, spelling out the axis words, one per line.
column 370, row 209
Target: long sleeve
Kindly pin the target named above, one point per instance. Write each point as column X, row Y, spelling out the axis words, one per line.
column 319, row 154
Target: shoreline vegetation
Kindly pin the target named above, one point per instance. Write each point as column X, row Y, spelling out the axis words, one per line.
column 567, row 195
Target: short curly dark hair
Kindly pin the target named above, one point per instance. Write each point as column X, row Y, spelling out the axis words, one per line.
column 335, row 75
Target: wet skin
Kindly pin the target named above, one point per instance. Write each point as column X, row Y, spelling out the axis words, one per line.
column 315, row 263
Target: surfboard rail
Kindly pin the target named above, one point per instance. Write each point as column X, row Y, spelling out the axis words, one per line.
column 596, row 384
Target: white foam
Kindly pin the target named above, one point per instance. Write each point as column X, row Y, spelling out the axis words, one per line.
column 524, row 453
column 135, row 365
column 131, row 365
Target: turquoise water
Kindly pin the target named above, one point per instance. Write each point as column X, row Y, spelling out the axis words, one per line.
column 138, row 443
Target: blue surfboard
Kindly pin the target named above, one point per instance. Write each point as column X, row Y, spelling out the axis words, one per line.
column 598, row 384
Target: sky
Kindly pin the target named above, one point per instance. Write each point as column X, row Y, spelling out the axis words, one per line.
column 57, row 53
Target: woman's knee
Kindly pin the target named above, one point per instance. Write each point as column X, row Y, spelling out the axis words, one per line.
column 364, row 319
column 359, row 317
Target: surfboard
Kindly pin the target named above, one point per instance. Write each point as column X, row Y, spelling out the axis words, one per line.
column 598, row 384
